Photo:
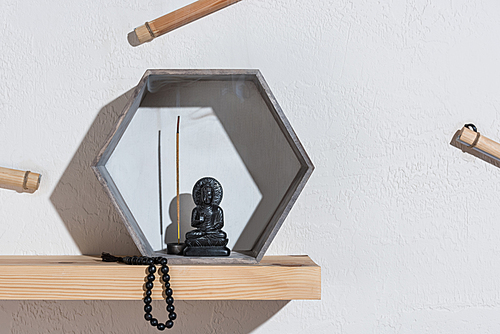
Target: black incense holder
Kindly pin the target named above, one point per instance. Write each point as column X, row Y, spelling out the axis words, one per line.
column 175, row 248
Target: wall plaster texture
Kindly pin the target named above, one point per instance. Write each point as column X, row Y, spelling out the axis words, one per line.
column 404, row 226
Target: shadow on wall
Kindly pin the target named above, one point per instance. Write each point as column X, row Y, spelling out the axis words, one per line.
column 80, row 200
column 127, row 316
column 186, row 207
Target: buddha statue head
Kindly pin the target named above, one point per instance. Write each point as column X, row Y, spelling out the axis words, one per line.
column 207, row 191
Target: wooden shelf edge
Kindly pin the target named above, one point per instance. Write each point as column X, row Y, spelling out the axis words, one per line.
column 88, row 278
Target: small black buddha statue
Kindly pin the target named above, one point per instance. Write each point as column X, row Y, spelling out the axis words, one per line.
column 207, row 239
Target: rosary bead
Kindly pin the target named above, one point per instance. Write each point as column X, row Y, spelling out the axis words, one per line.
column 152, row 262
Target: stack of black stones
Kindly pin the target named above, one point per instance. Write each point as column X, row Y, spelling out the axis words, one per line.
column 152, row 262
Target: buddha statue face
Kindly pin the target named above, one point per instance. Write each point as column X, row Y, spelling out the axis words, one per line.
column 207, row 195
column 207, row 191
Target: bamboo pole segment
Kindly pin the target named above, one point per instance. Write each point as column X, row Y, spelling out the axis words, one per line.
column 18, row 180
column 177, row 19
column 480, row 142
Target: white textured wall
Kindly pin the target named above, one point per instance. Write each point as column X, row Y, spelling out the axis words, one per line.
column 404, row 225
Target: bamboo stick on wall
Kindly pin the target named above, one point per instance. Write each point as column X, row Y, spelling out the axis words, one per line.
column 482, row 143
column 18, row 180
column 176, row 19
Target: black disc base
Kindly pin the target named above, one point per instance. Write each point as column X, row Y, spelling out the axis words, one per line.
column 175, row 248
column 207, row 251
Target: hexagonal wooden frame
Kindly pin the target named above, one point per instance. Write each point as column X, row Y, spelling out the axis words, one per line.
column 253, row 255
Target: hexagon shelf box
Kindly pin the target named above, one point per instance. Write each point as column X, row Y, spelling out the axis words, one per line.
column 231, row 129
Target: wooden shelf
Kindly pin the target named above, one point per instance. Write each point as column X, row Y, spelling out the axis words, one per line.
column 88, row 278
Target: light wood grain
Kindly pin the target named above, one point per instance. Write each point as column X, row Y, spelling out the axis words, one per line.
column 15, row 180
column 484, row 144
column 180, row 17
column 88, row 278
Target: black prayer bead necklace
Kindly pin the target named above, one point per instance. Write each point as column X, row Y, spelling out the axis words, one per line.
column 151, row 262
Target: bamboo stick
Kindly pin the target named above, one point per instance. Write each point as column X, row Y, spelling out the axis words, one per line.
column 176, row 19
column 18, row 180
column 483, row 143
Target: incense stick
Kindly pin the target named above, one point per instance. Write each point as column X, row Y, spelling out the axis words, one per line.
column 177, row 179
column 159, row 187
